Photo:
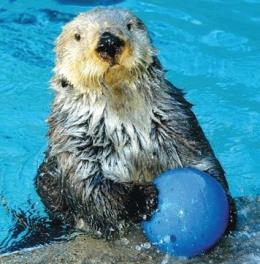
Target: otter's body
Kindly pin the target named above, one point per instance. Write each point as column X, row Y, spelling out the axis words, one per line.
column 110, row 135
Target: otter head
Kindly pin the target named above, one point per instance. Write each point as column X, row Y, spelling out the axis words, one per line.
column 103, row 47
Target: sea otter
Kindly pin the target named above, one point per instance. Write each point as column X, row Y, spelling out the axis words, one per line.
column 115, row 124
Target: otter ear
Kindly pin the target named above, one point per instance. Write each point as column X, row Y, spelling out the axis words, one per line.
column 156, row 63
column 140, row 24
column 60, row 83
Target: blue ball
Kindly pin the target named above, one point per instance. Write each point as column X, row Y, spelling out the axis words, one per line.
column 192, row 213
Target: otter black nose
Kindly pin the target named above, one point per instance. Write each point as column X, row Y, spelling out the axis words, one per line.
column 109, row 45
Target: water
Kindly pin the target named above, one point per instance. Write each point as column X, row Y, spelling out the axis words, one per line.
column 211, row 50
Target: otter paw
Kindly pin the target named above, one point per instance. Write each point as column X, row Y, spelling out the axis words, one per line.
column 142, row 202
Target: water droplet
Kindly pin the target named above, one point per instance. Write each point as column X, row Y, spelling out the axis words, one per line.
column 167, row 239
column 124, row 241
column 138, row 248
column 147, row 245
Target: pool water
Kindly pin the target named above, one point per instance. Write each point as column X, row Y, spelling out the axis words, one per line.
column 211, row 50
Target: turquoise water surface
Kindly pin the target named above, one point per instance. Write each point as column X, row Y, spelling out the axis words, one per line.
column 211, row 50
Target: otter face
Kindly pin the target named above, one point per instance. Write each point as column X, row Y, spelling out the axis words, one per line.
column 103, row 47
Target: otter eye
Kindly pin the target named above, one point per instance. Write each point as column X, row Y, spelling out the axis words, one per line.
column 129, row 26
column 77, row 36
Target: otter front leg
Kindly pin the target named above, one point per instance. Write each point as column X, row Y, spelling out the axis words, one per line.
column 49, row 187
column 110, row 206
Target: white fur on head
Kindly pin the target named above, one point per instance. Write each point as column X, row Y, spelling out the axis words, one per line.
column 78, row 61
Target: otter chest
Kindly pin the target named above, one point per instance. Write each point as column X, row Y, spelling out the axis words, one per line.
column 120, row 144
column 129, row 154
